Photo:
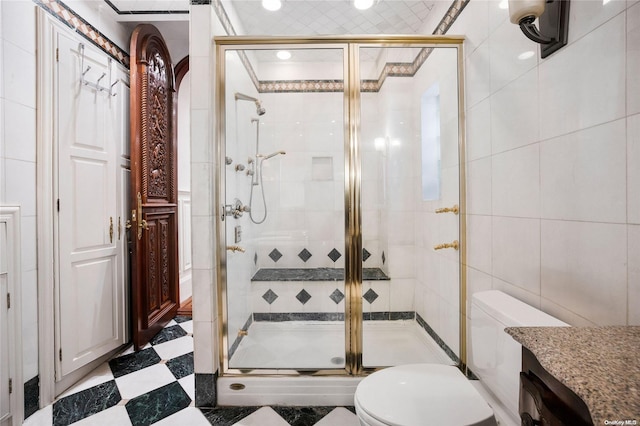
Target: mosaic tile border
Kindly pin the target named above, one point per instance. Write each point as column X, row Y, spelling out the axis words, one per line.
column 146, row 12
column 70, row 18
column 392, row 69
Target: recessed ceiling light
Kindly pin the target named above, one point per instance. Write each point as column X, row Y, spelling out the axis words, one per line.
column 271, row 4
column 362, row 4
column 283, row 54
column 504, row 4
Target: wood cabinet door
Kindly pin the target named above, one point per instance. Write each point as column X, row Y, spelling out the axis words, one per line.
column 90, row 300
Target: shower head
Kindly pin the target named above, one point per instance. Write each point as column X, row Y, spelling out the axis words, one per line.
column 266, row 157
column 259, row 108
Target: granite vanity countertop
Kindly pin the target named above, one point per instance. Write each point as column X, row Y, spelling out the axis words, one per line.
column 600, row 364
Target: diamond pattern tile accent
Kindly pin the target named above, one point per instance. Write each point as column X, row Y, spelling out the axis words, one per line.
column 337, row 296
column 384, row 258
column 304, row 255
column 334, row 255
column 370, row 296
column 303, row 296
column 365, row 255
column 275, row 255
column 270, row 296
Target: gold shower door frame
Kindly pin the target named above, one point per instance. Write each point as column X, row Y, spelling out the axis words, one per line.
column 353, row 237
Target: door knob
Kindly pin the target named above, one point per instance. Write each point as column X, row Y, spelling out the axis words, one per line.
column 136, row 216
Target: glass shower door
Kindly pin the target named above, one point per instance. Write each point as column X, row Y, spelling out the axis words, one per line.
column 284, row 195
column 409, row 136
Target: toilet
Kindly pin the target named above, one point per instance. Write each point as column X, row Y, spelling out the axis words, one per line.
column 437, row 394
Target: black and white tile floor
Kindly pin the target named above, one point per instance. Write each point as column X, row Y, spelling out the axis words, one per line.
column 156, row 386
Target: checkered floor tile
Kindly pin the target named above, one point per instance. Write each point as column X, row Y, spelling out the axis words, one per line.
column 155, row 386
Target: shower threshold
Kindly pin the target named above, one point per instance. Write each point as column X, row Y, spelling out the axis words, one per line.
column 305, row 345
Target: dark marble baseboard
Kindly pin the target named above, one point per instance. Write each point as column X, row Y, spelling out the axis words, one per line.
column 239, row 337
column 314, row 274
column 31, row 396
column 206, row 394
column 330, row 316
column 437, row 339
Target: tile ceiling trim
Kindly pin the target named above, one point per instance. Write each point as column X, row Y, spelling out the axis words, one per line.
column 145, row 12
column 391, row 69
column 228, row 27
column 70, row 18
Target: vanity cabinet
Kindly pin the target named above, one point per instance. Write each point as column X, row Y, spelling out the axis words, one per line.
column 545, row 401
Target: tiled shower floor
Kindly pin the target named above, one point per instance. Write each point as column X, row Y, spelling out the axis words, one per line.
column 320, row 345
column 156, row 386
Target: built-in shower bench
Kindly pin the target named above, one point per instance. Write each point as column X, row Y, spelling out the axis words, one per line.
column 314, row 274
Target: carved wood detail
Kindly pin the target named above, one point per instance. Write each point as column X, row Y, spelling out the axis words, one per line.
column 155, row 281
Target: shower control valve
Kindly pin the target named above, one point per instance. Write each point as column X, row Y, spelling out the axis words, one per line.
column 236, row 209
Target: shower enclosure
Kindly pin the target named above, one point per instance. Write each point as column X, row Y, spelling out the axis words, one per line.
column 341, row 204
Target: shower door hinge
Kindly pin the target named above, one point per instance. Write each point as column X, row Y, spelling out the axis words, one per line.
column 10, row 385
column 8, row 300
column 60, row 354
column 58, row 204
column 57, row 54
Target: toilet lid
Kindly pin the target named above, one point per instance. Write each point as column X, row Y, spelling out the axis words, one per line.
column 422, row 394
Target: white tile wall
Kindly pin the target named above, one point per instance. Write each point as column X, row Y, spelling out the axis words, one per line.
column 514, row 114
column 515, row 182
column 633, row 58
column 584, row 269
column 401, row 295
column 20, row 133
column 588, row 15
column 478, row 84
column 583, row 175
column 516, row 252
column 507, row 44
column 633, row 169
column 202, row 215
column 479, row 131
column 18, row 74
column 584, row 84
column 17, row 154
column 479, row 248
column 479, row 186
column 634, row 274
column 564, row 147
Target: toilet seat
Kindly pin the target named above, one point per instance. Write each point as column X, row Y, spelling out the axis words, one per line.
column 421, row 395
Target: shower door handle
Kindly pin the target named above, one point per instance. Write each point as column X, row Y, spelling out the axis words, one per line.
column 454, row 245
column 234, row 249
column 455, row 210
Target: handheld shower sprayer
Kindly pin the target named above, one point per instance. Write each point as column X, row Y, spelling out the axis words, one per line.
column 242, row 97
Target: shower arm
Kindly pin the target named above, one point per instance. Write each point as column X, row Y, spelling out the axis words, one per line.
column 242, row 97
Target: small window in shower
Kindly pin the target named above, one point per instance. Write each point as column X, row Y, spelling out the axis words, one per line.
column 430, row 117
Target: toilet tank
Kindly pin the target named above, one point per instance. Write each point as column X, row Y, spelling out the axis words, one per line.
column 494, row 356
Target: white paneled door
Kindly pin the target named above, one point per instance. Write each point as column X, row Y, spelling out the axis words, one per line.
column 90, row 306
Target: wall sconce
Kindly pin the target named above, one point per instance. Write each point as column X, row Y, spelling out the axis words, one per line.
column 553, row 18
